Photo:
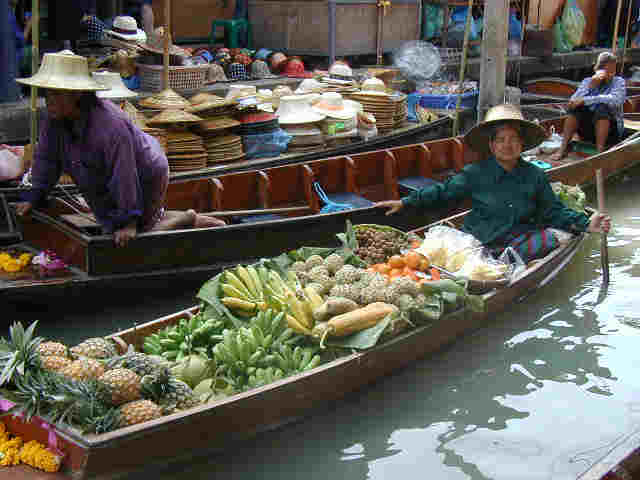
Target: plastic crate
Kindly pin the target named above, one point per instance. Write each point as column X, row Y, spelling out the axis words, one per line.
column 181, row 79
column 448, row 102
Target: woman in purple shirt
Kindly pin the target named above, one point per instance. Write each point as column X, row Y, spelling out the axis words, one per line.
column 121, row 171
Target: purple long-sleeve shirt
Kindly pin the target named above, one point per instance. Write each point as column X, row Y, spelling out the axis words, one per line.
column 612, row 93
column 112, row 162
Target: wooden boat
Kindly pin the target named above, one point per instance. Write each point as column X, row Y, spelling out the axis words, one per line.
column 214, row 426
column 275, row 209
column 413, row 133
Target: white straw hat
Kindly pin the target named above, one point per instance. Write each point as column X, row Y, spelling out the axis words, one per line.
column 240, row 91
column 373, row 86
column 340, row 70
column 296, row 109
column 114, row 81
column 126, row 28
column 279, row 92
column 309, row 85
column 332, row 105
column 63, row 70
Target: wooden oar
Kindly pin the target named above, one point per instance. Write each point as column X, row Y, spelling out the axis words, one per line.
column 604, row 250
column 260, row 211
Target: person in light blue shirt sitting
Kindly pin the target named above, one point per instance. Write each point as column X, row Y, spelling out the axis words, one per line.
column 595, row 109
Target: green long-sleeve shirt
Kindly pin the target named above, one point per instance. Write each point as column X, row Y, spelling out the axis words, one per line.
column 502, row 199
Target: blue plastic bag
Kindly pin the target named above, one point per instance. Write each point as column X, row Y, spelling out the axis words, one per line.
column 515, row 27
column 263, row 145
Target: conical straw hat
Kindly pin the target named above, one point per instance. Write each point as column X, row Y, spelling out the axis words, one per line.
column 63, row 71
column 174, row 116
column 478, row 137
column 166, row 99
column 117, row 87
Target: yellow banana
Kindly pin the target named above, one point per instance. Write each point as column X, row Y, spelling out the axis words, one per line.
column 298, row 311
column 256, row 281
column 233, row 279
column 238, row 303
column 295, row 325
column 314, row 297
column 231, row 291
column 247, row 280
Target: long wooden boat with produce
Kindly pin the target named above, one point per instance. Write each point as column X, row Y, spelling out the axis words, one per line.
column 270, row 367
column 410, row 134
column 267, row 210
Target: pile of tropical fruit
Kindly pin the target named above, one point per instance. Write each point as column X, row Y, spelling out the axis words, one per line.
column 256, row 324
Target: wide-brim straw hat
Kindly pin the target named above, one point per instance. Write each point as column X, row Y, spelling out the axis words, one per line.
column 373, row 86
column 215, row 124
column 126, row 28
column 64, row 70
column 174, row 116
column 478, row 137
column 155, row 44
column 117, row 87
column 295, row 109
column 166, row 99
column 206, row 101
column 333, row 105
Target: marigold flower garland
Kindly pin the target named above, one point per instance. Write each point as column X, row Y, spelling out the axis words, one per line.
column 14, row 264
column 13, row 452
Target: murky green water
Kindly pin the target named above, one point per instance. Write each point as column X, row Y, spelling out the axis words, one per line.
column 543, row 392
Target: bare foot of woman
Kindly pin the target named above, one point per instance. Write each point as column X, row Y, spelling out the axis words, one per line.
column 203, row 221
column 174, row 219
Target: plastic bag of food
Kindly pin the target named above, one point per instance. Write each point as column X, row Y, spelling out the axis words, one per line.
column 11, row 164
column 448, row 247
column 560, row 42
column 573, row 23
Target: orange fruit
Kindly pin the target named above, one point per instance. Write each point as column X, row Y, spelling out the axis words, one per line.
column 384, row 268
column 396, row 272
column 396, row 261
column 412, row 259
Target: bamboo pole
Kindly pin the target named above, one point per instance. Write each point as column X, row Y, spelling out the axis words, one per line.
column 614, row 42
column 463, row 66
column 35, row 63
column 626, row 36
column 604, row 249
column 167, row 39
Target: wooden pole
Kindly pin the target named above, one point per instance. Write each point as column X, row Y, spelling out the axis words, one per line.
column 463, row 66
column 626, row 36
column 614, row 41
column 227, row 213
column 167, row 40
column 604, row 250
column 493, row 66
column 35, row 63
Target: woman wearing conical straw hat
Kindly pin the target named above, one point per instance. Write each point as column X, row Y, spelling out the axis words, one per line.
column 512, row 202
column 121, row 171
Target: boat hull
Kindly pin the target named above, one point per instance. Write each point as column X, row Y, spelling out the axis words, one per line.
column 216, row 426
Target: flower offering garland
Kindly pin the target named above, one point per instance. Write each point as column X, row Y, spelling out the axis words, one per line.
column 11, row 264
column 14, row 451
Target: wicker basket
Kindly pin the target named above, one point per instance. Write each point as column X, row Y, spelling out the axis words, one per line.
column 181, row 79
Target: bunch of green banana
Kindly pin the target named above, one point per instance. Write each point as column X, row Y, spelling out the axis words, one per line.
column 190, row 335
column 242, row 290
column 296, row 360
column 271, row 326
column 264, row 376
column 241, row 350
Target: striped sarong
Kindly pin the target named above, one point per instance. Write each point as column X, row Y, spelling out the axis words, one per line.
column 529, row 243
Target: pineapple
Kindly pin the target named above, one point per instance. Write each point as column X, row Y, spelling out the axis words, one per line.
column 138, row 411
column 83, row 369
column 124, row 385
column 179, row 397
column 19, row 353
column 54, row 363
column 46, row 349
column 98, row 348
column 140, row 363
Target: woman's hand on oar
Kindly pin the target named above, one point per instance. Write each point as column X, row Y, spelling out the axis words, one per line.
column 393, row 206
column 599, row 223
